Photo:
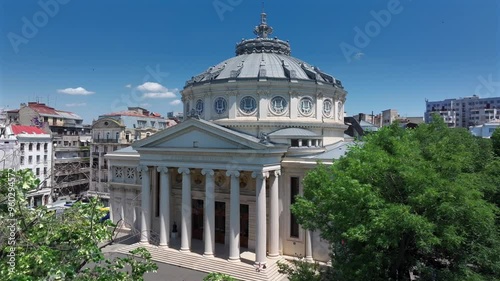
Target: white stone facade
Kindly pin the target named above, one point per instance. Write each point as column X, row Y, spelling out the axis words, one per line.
column 255, row 124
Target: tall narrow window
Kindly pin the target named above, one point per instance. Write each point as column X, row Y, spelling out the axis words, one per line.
column 294, row 191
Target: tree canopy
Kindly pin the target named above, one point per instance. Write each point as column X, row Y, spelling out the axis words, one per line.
column 39, row 244
column 423, row 200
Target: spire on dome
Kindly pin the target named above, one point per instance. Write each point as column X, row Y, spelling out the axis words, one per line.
column 263, row 30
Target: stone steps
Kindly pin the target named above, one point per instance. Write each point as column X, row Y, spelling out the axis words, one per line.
column 239, row 270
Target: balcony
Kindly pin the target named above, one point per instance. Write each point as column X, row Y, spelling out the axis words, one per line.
column 105, row 140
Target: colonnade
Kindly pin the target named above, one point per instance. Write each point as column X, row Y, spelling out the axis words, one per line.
column 261, row 250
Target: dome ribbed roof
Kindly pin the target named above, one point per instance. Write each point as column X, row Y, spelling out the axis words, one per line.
column 262, row 58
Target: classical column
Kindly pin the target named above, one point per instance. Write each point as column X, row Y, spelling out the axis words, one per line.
column 309, row 256
column 274, row 219
column 111, row 204
column 186, row 210
column 209, row 222
column 234, row 234
column 260, row 247
column 145, row 204
column 123, row 202
column 164, row 206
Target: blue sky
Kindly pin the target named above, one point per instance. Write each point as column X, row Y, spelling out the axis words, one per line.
column 91, row 57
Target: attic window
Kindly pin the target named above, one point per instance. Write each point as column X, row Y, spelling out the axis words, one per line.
column 295, row 142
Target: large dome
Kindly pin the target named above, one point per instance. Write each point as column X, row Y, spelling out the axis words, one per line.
column 264, row 89
column 263, row 57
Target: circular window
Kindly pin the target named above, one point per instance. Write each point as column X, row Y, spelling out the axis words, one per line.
column 106, row 123
column 199, row 107
column 306, row 106
column 279, row 105
column 248, row 105
column 327, row 108
column 220, row 105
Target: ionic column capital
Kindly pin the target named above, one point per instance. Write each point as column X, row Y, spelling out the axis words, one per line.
column 207, row 172
column 184, row 171
column 162, row 169
column 142, row 168
column 276, row 173
column 260, row 175
column 232, row 173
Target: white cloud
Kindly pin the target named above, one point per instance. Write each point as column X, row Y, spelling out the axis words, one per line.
column 175, row 102
column 151, row 87
column 128, row 86
column 156, row 91
column 359, row 56
column 76, row 104
column 75, row 91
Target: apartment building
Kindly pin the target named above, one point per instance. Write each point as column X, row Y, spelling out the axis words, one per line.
column 29, row 147
column 70, row 144
column 464, row 112
column 118, row 130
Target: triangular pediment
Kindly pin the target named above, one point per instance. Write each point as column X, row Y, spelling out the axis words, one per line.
column 200, row 134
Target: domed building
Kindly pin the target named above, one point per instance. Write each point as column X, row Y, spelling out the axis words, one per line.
column 221, row 183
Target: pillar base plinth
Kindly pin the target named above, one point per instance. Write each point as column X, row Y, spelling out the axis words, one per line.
column 234, row 259
column 274, row 256
column 184, row 250
column 208, row 255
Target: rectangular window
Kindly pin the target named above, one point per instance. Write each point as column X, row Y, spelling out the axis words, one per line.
column 30, row 159
column 37, row 171
column 22, row 147
column 38, row 159
column 45, row 170
column 22, row 160
column 45, row 159
column 294, row 191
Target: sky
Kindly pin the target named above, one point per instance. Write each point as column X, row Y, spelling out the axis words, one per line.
column 94, row 57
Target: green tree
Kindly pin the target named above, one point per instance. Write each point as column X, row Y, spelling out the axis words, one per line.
column 216, row 276
column 407, row 200
column 495, row 138
column 38, row 244
column 302, row 270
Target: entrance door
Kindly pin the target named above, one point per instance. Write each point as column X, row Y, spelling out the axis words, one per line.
column 220, row 222
column 244, row 226
column 197, row 219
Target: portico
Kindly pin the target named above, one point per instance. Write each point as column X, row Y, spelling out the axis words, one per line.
column 202, row 176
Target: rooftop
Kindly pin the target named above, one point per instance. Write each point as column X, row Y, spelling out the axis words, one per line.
column 263, row 57
column 30, row 130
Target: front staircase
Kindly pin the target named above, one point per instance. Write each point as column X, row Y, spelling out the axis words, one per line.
column 242, row 270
